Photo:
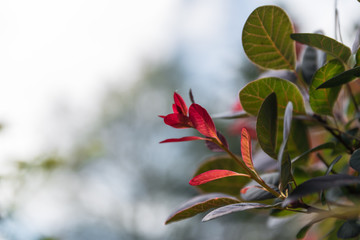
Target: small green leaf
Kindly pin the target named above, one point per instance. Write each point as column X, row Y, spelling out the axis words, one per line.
column 266, row 38
column 342, row 78
column 349, row 229
column 255, row 92
column 322, row 100
column 266, row 125
column 328, row 45
column 200, row 204
column 355, row 160
column 231, row 185
column 328, row 145
column 237, row 207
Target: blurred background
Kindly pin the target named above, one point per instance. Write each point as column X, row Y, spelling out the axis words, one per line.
column 81, row 86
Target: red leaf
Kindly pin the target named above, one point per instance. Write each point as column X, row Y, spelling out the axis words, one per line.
column 246, row 149
column 180, row 104
column 213, row 175
column 177, row 120
column 183, row 139
column 202, row 121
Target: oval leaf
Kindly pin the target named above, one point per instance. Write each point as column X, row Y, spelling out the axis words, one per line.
column 231, row 185
column 341, row 78
column 237, row 207
column 200, row 204
column 322, row 100
column 328, row 45
column 266, row 38
column 355, row 160
column 320, row 183
column 349, row 229
column 255, row 92
column 213, row 175
column 266, row 125
column 246, row 149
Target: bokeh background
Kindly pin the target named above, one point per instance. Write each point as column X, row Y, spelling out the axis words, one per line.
column 81, row 86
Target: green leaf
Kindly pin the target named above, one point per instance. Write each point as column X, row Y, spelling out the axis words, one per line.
column 349, row 229
column 297, row 145
column 266, row 38
column 328, row 45
column 255, row 92
column 266, row 125
column 318, row 184
column 357, row 58
column 342, row 78
column 200, row 204
column 231, row 185
column 355, row 160
column 301, row 234
column 237, row 207
column 328, row 145
column 322, row 100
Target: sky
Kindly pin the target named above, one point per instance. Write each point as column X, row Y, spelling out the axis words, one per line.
column 58, row 57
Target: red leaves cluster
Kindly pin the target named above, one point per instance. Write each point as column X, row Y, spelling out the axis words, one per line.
column 196, row 117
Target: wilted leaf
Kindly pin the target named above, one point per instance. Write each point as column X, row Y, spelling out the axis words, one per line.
column 212, row 175
column 266, row 125
column 200, row 204
column 255, row 92
column 266, row 38
column 237, row 207
column 246, row 149
column 328, row 45
column 231, row 185
column 355, row 160
column 349, row 229
column 322, row 100
column 341, row 78
column 320, row 183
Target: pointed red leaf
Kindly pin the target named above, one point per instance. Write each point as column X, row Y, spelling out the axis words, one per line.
column 202, row 121
column 213, row 175
column 177, row 120
column 246, row 149
column 180, row 104
column 183, row 139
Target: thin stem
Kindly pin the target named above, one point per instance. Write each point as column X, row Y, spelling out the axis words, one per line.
column 325, row 163
column 253, row 175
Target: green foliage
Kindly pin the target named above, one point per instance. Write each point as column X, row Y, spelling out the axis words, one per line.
column 308, row 125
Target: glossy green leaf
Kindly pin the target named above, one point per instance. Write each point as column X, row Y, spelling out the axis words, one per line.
column 266, row 38
column 342, row 78
column 322, row 100
column 255, row 92
column 355, row 160
column 237, row 207
column 328, row 45
column 349, row 229
column 321, row 183
column 231, row 185
column 254, row 191
column 200, row 204
column 266, row 125
column 328, row 145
